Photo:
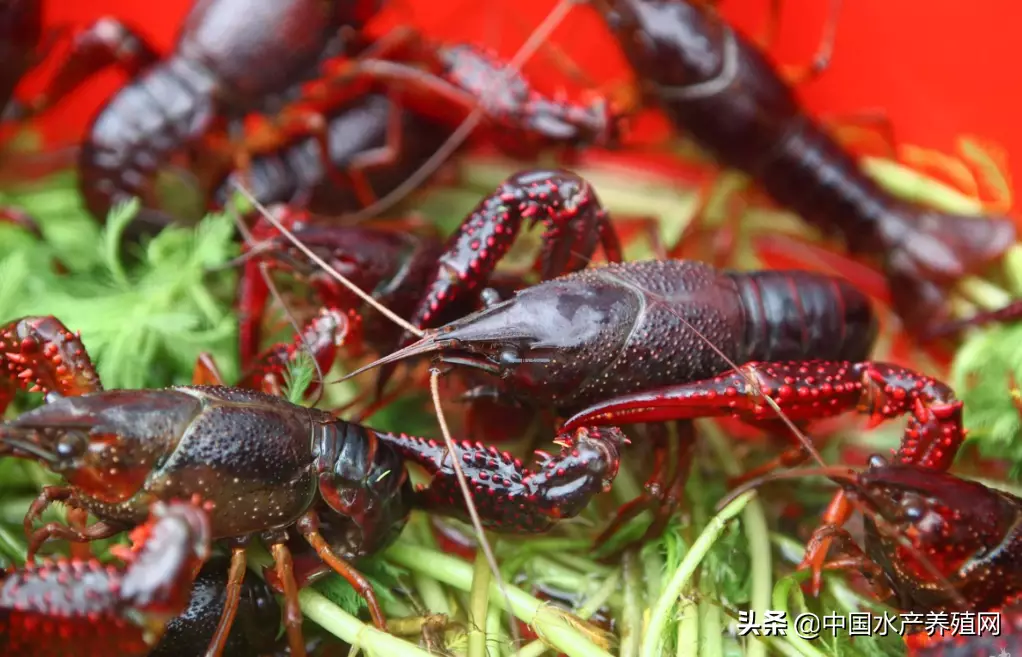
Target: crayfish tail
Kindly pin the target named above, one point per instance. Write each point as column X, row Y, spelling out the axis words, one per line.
column 933, row 251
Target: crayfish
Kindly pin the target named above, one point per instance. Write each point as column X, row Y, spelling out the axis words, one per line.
column 934, row 543
column 277, row 464
column 674, row 340
column 716, row 85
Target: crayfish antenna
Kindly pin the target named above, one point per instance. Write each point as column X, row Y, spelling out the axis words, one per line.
column 470, row 505
column 430, row 342
column 841, row 475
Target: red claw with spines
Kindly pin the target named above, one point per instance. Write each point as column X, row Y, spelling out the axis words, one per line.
column 71, row 608
column 574, row 222
column 509, row 496
column 41, row 355
column 806, row 390
column 322, row 337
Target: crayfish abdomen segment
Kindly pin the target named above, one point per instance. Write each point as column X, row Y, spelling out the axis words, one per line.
column 363, row 480
column 796, row 315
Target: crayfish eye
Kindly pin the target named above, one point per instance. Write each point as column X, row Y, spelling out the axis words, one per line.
column 876, row 461
column 509, row 357
column 912, row 508
column 72, row 443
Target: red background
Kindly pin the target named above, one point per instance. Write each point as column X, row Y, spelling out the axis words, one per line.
column 935, row 68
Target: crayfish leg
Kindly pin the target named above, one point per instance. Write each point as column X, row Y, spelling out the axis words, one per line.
column 21, row 218
column 284, row 567
column 76, row 533
column 701, row 241
column 6, row 396
column 663, row 490
column 207, row 372
column 789, row 458
column 232, row 598
column 308, row 525
column 852, row 559
column 1009, row 313
column 322, row 338
column 55, row 530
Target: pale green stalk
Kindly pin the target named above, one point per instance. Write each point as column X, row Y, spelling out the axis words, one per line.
column 558, row 628
column 711, row 643
column 660, row 616
column 631, row 614
column 911, row 185
column 478, row 606
column 687, row 643
column 780, row 603
column 350, row 629
column 497, row 639
column 585, row 612
column 432, row 592
column 756, row 531
column 655, row 569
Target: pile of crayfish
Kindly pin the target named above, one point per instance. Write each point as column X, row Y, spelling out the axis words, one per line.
column 243, row 495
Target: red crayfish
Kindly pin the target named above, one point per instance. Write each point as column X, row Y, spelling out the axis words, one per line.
column 74, row 608
column 936, row 543
column 120, row 450
column 659, row 340
column 229, row 60
column 716, row 85
column 231, row 63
